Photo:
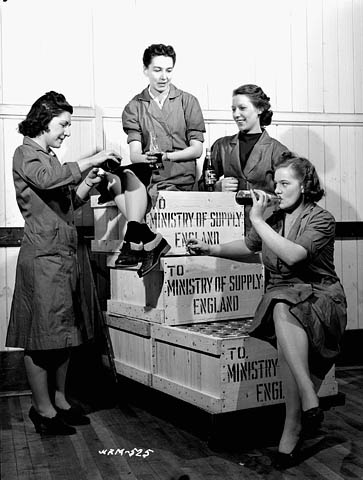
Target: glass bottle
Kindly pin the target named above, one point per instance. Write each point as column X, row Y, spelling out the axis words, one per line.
column 156, row 152
column 210, row 176
column 244, row 197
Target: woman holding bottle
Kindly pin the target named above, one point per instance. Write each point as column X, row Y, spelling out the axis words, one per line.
column 175, row 119
column 49, row 312
column 246, row 159
column 303, row 311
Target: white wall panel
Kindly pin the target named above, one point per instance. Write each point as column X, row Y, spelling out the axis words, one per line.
column 315, row 76
column 47, row 46
column 307, row 55
column 358, row 54
column 299, row 57
column 330, row 56
column 115, row 138
column 282, row 51
column 345, row 56
column 12, row 138
column 333, row 171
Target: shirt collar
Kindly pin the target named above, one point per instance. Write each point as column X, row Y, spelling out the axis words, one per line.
column 145, row 94
column 29, row 141
column 159, row 99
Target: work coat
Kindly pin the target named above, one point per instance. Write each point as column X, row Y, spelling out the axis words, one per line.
column 48, row 308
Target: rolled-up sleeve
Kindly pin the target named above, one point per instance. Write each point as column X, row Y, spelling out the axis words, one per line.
column 317, row 233
column 253, row 241
column 131, row 123
column 194, row 120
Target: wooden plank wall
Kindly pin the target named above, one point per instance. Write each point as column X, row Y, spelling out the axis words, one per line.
column 307, row 56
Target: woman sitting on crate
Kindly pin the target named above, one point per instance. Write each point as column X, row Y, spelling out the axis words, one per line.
column 303, row 311
column 246, row 159
column 174, row 118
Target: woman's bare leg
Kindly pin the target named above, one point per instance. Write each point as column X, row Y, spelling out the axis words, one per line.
column 136, row 199
column 293, row 343
column 38, row 381
column 60, row 383
column 133, row 201
column 292, row 425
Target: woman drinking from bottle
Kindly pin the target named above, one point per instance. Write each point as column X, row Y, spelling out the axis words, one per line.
column 303, row 311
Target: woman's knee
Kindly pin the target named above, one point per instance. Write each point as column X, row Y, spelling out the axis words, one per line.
column 281, row 311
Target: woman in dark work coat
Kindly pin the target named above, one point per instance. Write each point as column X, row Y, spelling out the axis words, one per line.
column 246, row 159
column 303, row 311
column 47, row 317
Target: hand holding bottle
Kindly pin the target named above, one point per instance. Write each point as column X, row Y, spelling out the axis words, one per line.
column 261, row 201
column 154, row 156
column 228, row 184
column 197, row 247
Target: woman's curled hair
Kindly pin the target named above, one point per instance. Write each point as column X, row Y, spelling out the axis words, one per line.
column 158, row 50
column 259, row 100
column 305, row 172
column 41, row 113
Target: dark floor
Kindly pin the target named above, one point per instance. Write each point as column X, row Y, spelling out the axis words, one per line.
column 149, row 436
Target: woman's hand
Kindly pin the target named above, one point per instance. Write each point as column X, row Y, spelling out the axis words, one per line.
column 94, row 177
column 260, row 202
column 228, row 184
column 101, row 157
column 197, row 247
column 151, row 158
column 98, row 159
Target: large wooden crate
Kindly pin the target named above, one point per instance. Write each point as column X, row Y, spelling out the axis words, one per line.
column 215, row 366
column 188, row 290
column 131, row 344
column 219, row 368
column 213, row 217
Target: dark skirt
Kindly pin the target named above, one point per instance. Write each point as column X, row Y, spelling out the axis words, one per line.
column 320, row 309
column 143, row 171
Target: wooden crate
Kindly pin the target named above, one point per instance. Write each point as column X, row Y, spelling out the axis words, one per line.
column 213, row 217
column 215, row 366
column 131, row 343
column 219, row 369
column 188, row 290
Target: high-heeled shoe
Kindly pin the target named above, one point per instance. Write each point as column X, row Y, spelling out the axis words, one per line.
column 50, row 426
column 287, row 460
column 73, row 416
column 312, row 419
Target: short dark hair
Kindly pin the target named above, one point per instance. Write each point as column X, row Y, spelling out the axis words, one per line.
column 259, row 99
column 41, row 113
column 157, row 50
column 305, row 172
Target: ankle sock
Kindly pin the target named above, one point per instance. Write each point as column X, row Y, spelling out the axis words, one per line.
column 133, row 232
column 147, row 235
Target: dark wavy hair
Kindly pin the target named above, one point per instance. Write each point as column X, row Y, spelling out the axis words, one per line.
column 41, row 113
column 157, row 50
column 259, row 99
column 305, row 172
